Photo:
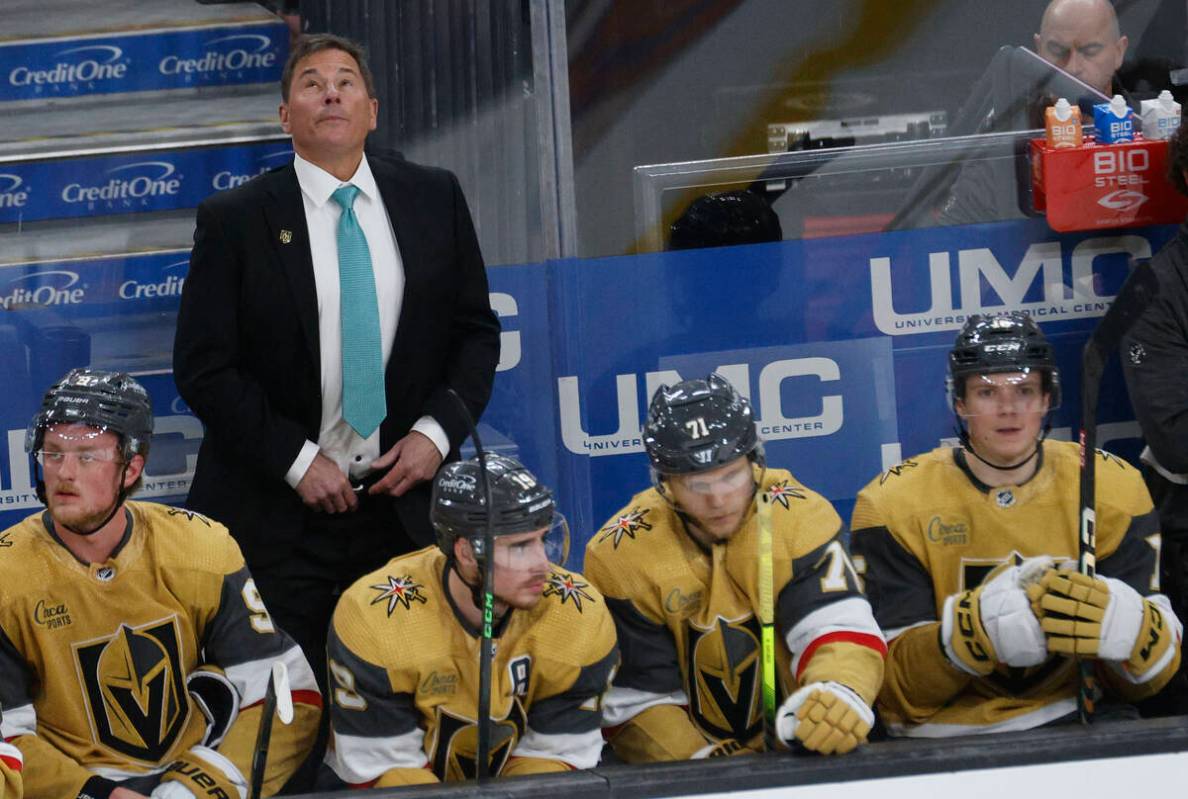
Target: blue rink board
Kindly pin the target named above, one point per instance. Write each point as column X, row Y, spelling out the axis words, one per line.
column 154, row 60
column 840, row 344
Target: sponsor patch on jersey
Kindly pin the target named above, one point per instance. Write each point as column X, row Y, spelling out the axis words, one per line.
column 626, row 525
column 782, row 491
column 897, row 470
column 947, row 533
column 51, row 614
column 399, row 592
column 566, row 587
column 135, row 689
column 439, row 684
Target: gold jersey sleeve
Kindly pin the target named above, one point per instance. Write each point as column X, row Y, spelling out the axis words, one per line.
column 11, row 764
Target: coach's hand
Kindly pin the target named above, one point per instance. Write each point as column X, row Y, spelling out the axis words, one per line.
column 324, row 487
column 414, row 459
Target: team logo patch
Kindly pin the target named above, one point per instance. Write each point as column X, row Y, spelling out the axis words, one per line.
column 399, row 591
column 626, row 525
column 135, row 690
column 1138, row 353
column 897, row 470
column 189, row 514
column 1004, row 498
column 782, row 491
column 724, row 683
column 455, row 751
column 4, row 542
column 566, row 587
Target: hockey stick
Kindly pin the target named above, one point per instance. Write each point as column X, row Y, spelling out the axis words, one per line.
column 767, row 620
column 1138, row 290
column 486, row 562
column 278, row 700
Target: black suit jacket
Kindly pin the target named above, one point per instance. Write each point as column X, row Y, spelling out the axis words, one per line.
column 246, row 353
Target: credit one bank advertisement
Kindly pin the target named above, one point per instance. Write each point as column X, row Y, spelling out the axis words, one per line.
column 839, row 343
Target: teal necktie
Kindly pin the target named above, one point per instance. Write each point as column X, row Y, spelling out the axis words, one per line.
column 363, row 403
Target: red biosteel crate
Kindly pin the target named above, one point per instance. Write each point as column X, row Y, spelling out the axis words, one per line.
column 1097, row 186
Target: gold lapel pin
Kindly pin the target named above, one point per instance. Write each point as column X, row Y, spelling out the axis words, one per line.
column 286, row 236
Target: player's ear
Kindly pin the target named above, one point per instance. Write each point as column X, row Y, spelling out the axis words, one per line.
column 134, row 470
column 463, row 553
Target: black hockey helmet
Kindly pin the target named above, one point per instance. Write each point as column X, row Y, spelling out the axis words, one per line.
column 698, row 425
column 997, row 343
column 522, row 504
column 725, row 219
column 111, row 401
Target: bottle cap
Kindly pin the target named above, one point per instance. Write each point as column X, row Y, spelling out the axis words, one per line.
column 1063, row 109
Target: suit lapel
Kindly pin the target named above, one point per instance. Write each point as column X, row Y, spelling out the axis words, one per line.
column 288, row 235
column 400, row 200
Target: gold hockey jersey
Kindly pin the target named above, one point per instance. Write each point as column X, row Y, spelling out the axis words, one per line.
column 927, row 529
column 94, row 658
column 404, row 670
column 688, row 627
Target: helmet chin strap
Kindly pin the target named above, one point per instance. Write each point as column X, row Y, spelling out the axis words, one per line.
column 967, row 445
column 476, row 590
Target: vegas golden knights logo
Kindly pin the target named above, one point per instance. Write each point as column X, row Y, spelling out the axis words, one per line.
column 455, row 753
column 723, row 664
column 135, row 692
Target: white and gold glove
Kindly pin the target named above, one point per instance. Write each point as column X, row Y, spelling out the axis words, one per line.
column 826, row 717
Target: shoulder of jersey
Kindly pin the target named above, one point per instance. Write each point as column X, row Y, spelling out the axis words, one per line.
column 16, row 545
column 185, row 538
column 637, row 522
column 911, row 471
column 409, row 584
column 805, row 518
column 1120, row 485
column 573, row 617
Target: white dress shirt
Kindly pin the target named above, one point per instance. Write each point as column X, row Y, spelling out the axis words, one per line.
column 337, row 439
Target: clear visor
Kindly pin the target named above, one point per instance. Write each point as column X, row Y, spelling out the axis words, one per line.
column 69, row 432
column 723, row 480
column 523, row 551
column 1006, row 393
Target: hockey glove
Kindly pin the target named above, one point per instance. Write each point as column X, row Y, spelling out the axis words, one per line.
column 218, row 701
column 201, row 772
column 1104, row 618
column 995, row 623
column 826, row 717
column 723, row 748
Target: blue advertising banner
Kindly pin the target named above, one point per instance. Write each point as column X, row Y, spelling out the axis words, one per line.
column 839, row 343
column 140, row 182
column 221, row 55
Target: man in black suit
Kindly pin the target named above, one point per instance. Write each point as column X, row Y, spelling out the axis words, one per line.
column 266, row 330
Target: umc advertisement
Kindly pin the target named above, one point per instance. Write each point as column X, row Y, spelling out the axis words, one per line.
column 840, row 344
